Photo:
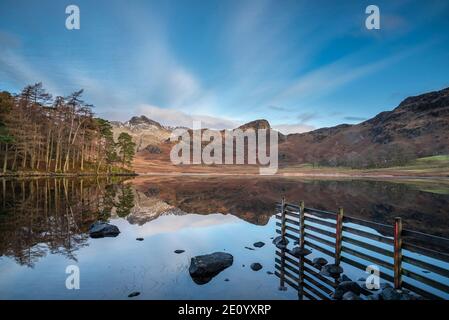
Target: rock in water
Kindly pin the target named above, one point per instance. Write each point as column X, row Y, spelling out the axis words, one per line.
column 203, row 268
column 331, row 270
column 133, row 294
column 300, row 252
column 351, row 296
column 390, row 293
column 280, row 242
column 178, row 251
column 319, row 262
column 259, row 244
column 102, row 229
column 256, row 266
column 139, row 239
column 344, row 278
column 345, row 287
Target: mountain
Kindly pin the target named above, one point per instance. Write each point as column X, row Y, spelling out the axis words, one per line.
column 145, row 132
column 418, row 127
column 256, row 125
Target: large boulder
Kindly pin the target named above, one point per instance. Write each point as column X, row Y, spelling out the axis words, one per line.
column 280, row 243
column 102, row 229
column 204, row 268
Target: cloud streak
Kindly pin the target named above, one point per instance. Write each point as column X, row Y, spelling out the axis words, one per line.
column 173, row 117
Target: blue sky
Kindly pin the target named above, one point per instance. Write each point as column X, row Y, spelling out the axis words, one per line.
column 299, row 64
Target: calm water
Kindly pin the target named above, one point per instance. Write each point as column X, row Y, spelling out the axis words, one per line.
column 44, row 223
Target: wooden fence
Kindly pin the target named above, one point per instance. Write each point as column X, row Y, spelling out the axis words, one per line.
column 407, row 259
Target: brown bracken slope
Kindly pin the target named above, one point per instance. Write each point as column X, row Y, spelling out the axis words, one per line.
column 418, row 127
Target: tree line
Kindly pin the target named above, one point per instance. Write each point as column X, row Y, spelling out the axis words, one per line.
column 58, row 135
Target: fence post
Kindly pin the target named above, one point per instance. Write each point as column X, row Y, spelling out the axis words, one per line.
column 397, row 253
column 338, row 235
column 301, row 225
column 301, row 245
column 283, row 224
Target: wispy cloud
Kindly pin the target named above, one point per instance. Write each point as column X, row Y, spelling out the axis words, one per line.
column 307, row 116
column 174, row 117
column 351, row 118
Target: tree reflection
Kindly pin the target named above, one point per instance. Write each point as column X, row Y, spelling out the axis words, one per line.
column 125, row 201
column 41, row 216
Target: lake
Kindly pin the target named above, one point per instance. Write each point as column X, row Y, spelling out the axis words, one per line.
column 44, row 224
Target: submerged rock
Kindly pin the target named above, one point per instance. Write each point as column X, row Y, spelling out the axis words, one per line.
column 331, row 270
column 300, row 252
column 259, row 244
column 256, row 266
column 269, row 272
column 178, row 251
column 102, row 229
column 280, row 242
column 249, row 248
column 203, row 268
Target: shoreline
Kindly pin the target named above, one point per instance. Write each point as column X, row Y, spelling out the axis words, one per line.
column 293, row 175
column 62, row 175
column 307, row 175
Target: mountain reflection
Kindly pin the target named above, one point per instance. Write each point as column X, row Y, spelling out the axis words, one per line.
column 52, row 215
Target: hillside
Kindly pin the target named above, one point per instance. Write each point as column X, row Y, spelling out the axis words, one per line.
column 417, row 128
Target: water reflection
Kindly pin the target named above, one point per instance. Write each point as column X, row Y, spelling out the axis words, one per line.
column 44, row 224
column 41, row 216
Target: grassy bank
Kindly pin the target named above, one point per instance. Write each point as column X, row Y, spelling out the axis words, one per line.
column 435, row 166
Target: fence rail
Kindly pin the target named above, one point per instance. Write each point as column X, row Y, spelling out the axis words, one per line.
column 408, row 259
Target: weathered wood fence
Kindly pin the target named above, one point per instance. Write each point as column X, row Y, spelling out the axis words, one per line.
column 402, row 255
